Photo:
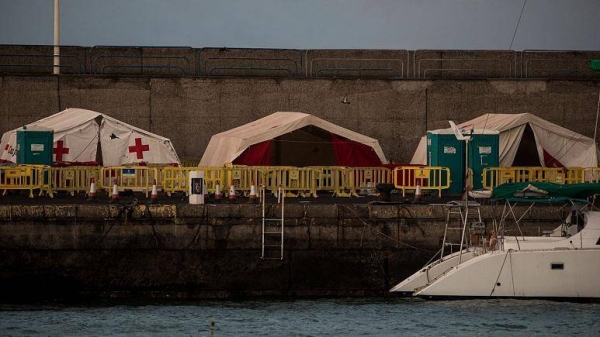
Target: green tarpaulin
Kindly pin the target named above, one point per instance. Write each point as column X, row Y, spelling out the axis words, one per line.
column 595, row 65
column 537, row 191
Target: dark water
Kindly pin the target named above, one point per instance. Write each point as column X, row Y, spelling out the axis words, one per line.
column 327, row 317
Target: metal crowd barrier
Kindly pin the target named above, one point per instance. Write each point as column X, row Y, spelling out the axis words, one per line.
column 494, row 176
column 297, row 181
column 134, row 178
column 364, row 180
column 435, row 178
column 74, row 179
column 26, row 177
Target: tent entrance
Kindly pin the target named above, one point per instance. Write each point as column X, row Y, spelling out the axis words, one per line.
column 527, row 154
column 307, row 146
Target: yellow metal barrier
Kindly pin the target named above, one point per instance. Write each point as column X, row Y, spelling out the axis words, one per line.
column 135, row 178
column 365, row 179
column 494, row 176
column 26, row 177
column 328, row 179
column 243, row 176
column 297, row 181
column 427, row 177
column 591, row 175
column 214, row 175
column 74, row 179
column 175, row 179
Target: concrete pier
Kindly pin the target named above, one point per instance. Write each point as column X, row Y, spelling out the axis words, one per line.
column 214, row 251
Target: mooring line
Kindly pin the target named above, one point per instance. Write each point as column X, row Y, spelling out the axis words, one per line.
column 383, row 234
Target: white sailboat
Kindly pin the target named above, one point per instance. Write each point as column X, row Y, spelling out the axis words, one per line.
column 562, row 264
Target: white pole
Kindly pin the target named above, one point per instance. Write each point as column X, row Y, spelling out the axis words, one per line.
column 56, row 37
column 597, row 112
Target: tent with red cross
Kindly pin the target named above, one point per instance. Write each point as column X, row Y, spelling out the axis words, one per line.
column 79, row 134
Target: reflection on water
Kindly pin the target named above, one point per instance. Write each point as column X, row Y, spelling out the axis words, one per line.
column 324, row 317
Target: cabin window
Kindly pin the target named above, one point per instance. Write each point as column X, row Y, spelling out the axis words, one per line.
column 557, row 266
column 598, row 242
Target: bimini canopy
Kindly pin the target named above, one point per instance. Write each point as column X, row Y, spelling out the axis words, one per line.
column 77, row 133
column 293, row 139
column 527, row 140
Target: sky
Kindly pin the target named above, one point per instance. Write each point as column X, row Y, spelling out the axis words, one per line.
column 308, row 24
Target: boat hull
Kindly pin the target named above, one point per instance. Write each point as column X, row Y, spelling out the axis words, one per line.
column 557, row 273
column 430, row 272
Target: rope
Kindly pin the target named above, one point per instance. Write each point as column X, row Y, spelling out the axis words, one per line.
column 517, row 27
column 158, row 242
column 383, row 234
column 123, row 208
column 500, row 272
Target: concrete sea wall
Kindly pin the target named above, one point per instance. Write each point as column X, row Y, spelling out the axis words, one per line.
column 214, row 251
column 396, row 112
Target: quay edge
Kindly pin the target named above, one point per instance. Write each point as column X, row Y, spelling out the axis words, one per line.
column 214, row 251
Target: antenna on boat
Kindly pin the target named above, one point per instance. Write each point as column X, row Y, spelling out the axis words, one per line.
column 597, row 112
column 459, row 135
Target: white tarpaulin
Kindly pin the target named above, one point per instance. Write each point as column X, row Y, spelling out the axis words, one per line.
column 76, row 136
column 224, row 147
column 555, row 145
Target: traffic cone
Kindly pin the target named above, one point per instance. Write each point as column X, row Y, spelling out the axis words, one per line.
column 253, row 199
column 154, row 194
column 418, row 192
column 115, row 193
column 232, row 192
column 92, row 194
column 218, row 193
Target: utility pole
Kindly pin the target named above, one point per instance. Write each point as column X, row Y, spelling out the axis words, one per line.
column 56, row 37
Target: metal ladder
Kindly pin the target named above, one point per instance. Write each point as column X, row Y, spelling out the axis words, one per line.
column 273, row 228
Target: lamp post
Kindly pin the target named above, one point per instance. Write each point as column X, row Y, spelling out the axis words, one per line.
column 56, row 37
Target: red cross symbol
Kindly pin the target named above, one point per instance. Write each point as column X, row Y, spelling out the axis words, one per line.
column 59, row 150
column 139, row 148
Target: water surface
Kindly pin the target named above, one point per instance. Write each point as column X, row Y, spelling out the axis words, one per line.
column 324, row 317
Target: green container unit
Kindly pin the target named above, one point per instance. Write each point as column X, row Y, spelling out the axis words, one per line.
column 35, row 147
column 484, row 151
column 443, row 149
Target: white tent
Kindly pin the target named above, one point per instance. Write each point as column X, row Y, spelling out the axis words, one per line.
column 76, row 137
column 255, row 143
column 550, row 144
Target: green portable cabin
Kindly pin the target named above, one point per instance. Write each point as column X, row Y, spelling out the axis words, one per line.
column 484, row 151
column 34, row 146
column 444, row 149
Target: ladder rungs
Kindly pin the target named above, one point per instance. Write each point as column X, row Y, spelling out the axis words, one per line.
column 278, row 232
column 272, row 258
column 273, row 219
column 278, row 246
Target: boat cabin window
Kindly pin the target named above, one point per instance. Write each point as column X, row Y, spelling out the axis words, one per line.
column 557, row 266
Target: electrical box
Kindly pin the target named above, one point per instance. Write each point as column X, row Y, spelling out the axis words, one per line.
column 34, row 146
column 197, row 187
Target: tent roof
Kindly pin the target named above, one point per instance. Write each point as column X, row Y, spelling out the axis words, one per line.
column 73, row 117
column 568, row 147
column 224, row 147
column 503, row 122
column 79, row 126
